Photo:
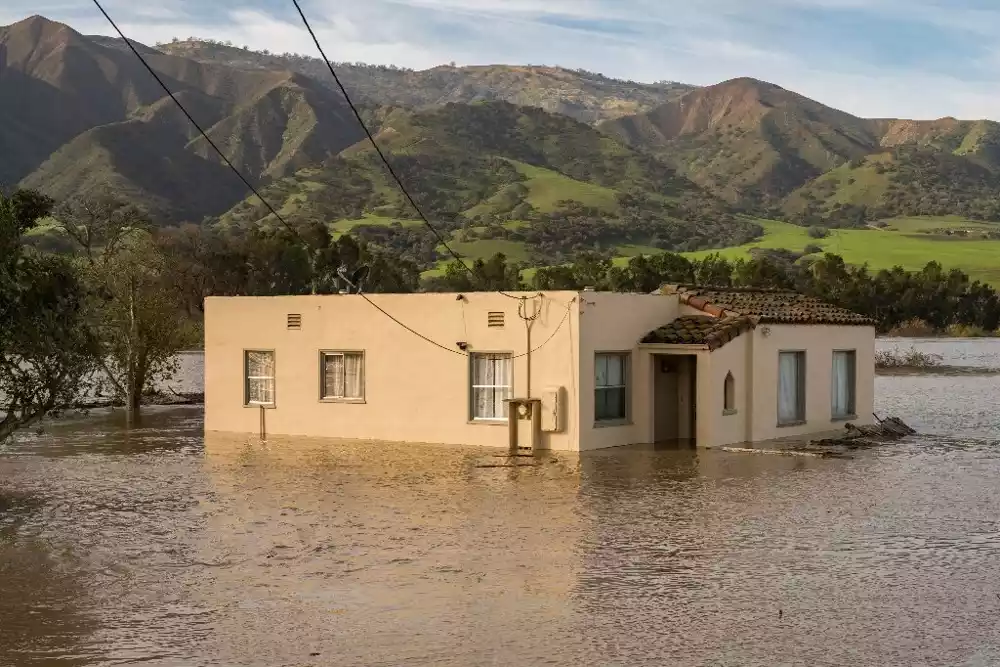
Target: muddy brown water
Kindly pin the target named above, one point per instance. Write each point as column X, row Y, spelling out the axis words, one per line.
column 154, row 547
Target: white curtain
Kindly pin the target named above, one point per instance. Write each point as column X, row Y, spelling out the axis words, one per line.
column 333, row 376
column 843, row 384
column 353, row 375
column 343, row 375
column 789, row 405
column 260, row 377
column 491, row 385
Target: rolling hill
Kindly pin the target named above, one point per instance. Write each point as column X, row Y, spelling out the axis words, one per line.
column 493, row 171
column 769, row 149
column 540, row 162
column 585, row 96
column 86, row 117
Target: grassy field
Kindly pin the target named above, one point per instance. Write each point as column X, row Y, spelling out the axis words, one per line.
column 903, row 242
column 885, row 248
column 546, row 188
column 344, row 226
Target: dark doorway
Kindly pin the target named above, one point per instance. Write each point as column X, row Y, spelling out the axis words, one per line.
column 675, row 382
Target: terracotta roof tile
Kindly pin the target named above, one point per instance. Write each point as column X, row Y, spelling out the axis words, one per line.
column 766, row 306
column 700, row 330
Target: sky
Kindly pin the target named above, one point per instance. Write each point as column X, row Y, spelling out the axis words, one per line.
column 876, row 58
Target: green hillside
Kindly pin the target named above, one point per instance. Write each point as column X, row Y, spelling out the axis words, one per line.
column 905, row 181
column 907, row 242
column 539, row 186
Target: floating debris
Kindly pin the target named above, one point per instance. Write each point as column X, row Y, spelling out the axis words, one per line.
column 853, row 438
column 856, row 437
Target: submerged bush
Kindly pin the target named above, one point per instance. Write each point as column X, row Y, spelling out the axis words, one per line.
column 966, row 331
column 912, row 358
column 913, row 328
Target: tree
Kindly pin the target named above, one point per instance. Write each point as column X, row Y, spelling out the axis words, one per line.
column 136, row 316
column 45, row 347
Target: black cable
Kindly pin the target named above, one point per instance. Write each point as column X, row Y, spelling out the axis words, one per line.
column 236, row 171
column 195, row 123
column 385, row 160
column 466, row 354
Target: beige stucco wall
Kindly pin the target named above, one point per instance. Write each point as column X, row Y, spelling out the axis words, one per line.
column 616, row 323
column 414, row 392
column 728, row 429
column 819, row 343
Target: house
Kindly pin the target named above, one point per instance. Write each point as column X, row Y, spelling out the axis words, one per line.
column 554, row 370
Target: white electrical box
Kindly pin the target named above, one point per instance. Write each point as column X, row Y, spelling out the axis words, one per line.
column 553, row 409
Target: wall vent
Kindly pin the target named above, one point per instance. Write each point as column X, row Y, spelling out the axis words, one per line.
column 495, row 320
column 294, row 321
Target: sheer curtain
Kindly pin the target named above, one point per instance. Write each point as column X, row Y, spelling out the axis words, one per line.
column 353, row 374
column 260, row 377
column 333, row 378
column 343, row 375
column 789, row 403
column 491, row 385
column 843, row 384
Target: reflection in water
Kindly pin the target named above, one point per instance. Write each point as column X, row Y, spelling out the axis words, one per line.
column 42, row 600
column 157, row 547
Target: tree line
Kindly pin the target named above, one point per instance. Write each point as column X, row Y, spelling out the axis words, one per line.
column 102, row 303
column 932, row 300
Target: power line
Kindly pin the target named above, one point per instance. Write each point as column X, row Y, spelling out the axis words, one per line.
column 466, row 354
column 195, row 123
column 385, row 160
column 236, row 171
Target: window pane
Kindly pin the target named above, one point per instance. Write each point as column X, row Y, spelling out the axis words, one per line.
column 260, row 391
column 843, row 384
column 259, row 380
column 353, row 375
column 490, row 403
column 333, row 376
column 601, row 370
column 260, row 364
column 610, row 404
column 791, row 389
column 491, row 385
column 616, row 370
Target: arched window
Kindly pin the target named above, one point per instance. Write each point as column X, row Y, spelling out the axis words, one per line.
column 729, row 399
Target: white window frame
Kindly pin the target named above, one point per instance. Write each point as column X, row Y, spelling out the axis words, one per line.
column 247, row 378
column 329, row 398
column 509, row 356
column 626, row 386
column 852, row 386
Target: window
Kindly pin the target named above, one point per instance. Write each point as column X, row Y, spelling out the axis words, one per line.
column 491, row 385
column 844, row 381
column 258, row 366
column 294, row 320
column 729, row 395
column 791, row 388
column 495, row 320
column 342, row 375
column 610, row 387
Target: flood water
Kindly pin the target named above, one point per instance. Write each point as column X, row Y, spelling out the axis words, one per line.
column 157, row 548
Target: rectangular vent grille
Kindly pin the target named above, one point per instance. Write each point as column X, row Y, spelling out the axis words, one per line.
column 495, row 320
column 294, row 321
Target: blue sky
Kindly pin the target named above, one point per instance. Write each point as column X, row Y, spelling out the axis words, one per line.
column 884, row 58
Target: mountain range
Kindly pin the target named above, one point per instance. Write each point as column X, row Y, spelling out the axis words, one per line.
column 528, row 154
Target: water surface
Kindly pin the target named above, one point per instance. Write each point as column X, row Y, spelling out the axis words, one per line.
column 154, row 547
